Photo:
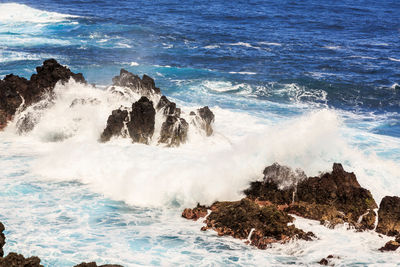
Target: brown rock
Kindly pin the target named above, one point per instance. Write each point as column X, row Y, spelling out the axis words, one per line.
column 144, row 87
column 93, row 264
column 17, row 260
column 390, row 246
column 389, row 216
column 195, row 213
column 2, row 240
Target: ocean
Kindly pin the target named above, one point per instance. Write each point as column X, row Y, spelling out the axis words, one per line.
column 302, row 83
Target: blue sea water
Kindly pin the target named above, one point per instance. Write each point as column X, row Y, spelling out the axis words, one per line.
column 321, row 78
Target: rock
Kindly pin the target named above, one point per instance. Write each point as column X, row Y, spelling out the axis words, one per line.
column 204, row 119
column 390, row 246
column 174, row 131
column 93, row 264
column 15, row 90
column 169, row 107
column 17, row 260
column 323, row 261
column 144, row 87
column 115, row 124
column 339, row 189
column 278, row 185
column 238, row 219
column 389, row 216
column 2, row 240
column 195, row 213
column 142, row 119
column 332, row 198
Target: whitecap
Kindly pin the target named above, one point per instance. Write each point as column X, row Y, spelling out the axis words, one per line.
column 394, row 59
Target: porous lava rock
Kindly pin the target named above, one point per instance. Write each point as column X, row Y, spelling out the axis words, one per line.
column 389, row 216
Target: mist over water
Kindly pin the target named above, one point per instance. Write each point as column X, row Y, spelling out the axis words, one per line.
column 303, row 98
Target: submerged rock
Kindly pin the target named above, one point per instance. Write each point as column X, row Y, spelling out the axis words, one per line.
column 18, row 93
column 142, row 120
column 244, row 219
column 144, row 87
column 93, row 264
column 389, row 216
column 332, row 198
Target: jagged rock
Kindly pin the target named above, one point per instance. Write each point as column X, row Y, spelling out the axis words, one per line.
column 245, row 219
column 2, row 240
column 332, row 198
column 391, row 245
column 169, row 107
column 83, row 101
column 144, row 86
column 278, row 185
column 323, row 261
column 115, row 124
column 93, row 264
column 389, row 216
column 204, row 119
column 142, row 119
column 174, row 131
column 195, row 213
column 17, row 260
column 15, row 90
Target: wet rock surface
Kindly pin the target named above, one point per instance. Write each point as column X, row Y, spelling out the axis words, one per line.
column 144, row 87
column 142, row 120
column 2, row 239
column 332, row 198
column 389, row 216
column 245, row 219
column 18, row 260
column 115, row 124
column 94, row 264
column 15, row 90
column 203, row 119
column 391, row 245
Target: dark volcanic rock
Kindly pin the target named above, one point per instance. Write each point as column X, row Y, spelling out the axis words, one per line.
column 142, row 119
column 332, row 198
column 93, row 264
column 144, row 86
column 2, row 240
column 204, row 119
column 339, row 189
column 169, row 107
column 278, row 186
column 323, row 261
column 16, row 90
column 392, row 245
column 17, row 260
column 174, row 131
column 245, row 219
column 389, row 216
column 115, row 124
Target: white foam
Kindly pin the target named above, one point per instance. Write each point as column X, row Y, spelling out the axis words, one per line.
column 333, row 47
column 18, row 13
column 225, row 86
column 133, row 64
column 243, row 72
column 211, row 46
column 394, row 59
column 270, row 43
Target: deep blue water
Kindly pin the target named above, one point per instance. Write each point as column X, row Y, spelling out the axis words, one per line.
column 347, row 49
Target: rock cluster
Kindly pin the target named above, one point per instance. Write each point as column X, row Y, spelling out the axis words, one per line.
column 17, row 260
column 18, row 93
column 332, row 198
column 247, row 220
column 138, row 122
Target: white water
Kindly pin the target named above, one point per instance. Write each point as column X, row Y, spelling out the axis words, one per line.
column 162, row 181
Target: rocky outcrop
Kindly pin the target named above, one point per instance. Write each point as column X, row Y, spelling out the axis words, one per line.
column 142, row 120
column 115, row 124
column 389, row 216
column 18, row 93
column 144, row 87
column 332, row 198
column 93, row 264
column 17, row 260
column 2, row 240
column 391, row 245
column 244, row 219
column 140, row 123
column 203, row 119
column 195, row 213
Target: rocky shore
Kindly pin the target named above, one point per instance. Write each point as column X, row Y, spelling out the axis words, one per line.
column 264, row 216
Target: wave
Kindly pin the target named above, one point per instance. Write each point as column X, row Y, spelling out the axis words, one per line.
column 19, row 13
column 65, row 147
column 394, row 59
column 224, row 86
